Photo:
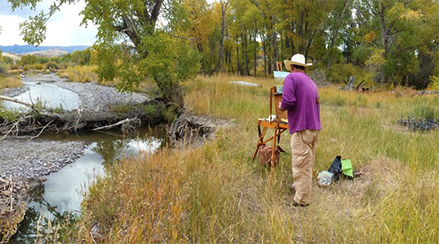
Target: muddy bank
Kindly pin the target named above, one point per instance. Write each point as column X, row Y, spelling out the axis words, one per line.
column 194, row 130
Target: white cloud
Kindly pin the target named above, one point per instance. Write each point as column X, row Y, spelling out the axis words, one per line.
column 10, row 30
column 62, row 29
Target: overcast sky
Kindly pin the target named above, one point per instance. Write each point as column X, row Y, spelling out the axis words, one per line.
column 62, row 29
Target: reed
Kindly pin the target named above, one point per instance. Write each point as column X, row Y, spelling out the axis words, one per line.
column 215, row 194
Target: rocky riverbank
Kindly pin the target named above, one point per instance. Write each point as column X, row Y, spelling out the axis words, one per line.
column 27, row 160
column 24, row 162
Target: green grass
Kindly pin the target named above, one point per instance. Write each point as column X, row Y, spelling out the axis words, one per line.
column 215, row 194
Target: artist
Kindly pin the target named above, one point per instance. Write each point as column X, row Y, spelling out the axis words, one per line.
column 301, row 99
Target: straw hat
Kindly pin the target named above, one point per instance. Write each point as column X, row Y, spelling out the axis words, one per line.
column 297, row 59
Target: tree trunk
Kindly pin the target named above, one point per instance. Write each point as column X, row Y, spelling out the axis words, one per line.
column 224, row 6
column 386, row 33
column 426, row 67
column 255, row 56
column 237, row 59
column 265, row 58
column 334, row 34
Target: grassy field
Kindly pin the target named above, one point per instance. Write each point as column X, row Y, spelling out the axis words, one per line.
column 215, row 194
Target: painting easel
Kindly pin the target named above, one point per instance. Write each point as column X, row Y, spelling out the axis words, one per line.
column 279, row 125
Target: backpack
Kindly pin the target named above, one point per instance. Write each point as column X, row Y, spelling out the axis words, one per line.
column 341, row 167
column 264, row 155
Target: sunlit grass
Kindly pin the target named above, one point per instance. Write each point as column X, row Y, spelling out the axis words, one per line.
column 10, row 82
column 79, row 74
column 215, row 194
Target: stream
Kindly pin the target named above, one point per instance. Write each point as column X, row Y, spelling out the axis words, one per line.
column 61, row 194
column 47, row 94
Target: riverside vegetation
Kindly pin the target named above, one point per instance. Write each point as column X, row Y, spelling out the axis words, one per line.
column 214, row 193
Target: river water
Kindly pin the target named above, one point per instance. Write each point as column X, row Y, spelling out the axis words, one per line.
column 61, row 194
column 47, row 94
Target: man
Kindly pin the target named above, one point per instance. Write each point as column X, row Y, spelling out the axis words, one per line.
column 301, row 99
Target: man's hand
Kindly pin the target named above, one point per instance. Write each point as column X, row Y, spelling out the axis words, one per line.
column 280, row 107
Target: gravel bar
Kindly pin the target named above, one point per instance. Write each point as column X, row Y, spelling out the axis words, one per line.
column 28, row 160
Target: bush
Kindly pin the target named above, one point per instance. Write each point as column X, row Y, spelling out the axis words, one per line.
column 39, row 66
column 14, row 66
column 52, row 65
column 28, row 60
column 341, row 72
column 6, row 115
column 3, row 71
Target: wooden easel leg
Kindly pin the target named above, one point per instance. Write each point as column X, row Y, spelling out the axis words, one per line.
column 273, row 151
column 314, row 172
column 260, row 141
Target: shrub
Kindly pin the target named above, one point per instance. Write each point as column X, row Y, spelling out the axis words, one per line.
column 14, row 66
column 8, row 115
column 39, row 66
column 28, row 59
column 52, row 65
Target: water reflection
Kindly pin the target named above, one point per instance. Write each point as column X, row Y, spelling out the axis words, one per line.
column 61, row 194
column 64, row 189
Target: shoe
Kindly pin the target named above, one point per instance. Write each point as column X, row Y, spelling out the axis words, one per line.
column 295, row 204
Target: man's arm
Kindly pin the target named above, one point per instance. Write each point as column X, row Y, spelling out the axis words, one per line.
column 288, row 96
column 280, row 107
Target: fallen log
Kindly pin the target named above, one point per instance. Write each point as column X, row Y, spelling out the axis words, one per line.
column 16, row 101
column 122, row 122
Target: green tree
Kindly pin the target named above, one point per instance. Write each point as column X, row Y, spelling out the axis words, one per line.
column 28, row 60
column 396, row 36
column 197, row 22
column 81, row 57
column 126, row 34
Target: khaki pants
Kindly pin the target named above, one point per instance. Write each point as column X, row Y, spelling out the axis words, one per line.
column 303, row 150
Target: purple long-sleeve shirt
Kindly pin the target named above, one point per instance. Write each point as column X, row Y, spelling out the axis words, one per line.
column 300, row 97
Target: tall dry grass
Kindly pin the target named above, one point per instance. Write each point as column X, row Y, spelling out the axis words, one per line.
column 10, row 82
column 79, row 74
column 215, row 194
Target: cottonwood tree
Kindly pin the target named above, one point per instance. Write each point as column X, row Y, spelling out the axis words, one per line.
column 129, row 45
column 397, row 37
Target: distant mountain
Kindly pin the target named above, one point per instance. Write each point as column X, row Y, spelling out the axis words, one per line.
column 22, row 49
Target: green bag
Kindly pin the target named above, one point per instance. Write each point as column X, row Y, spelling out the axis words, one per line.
column 346, row 167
